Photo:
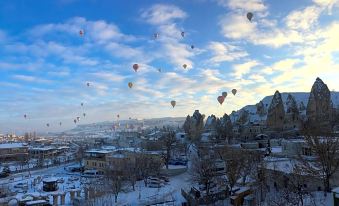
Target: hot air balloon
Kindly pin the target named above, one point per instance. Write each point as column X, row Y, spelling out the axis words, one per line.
column 118, row 115
column 135, row 67
column 234, row 91
column 221, row 99
column 185, row 66
column 130, row 84
column 47, row 124
column 84, row 114
column 25, row 116
column 173, row 103
column 192, row 46
column 224, row 94
column 88, row 84
column 155, row 35
column 78, row 118
column 82, row 104
column 250, row 16
column 81, row 32
column 183, row 34
column 129, row 118
column 159, row 70
column 75, row 121
column 60, row 123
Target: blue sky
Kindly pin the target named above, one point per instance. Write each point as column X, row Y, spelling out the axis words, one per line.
column 45, row 64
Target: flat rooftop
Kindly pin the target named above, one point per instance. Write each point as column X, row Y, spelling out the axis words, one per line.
column 12, row 145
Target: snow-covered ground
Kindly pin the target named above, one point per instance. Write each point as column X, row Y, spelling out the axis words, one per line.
column 23, row 183
column 142, row 194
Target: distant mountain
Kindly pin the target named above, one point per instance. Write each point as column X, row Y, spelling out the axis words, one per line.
column 104, row 128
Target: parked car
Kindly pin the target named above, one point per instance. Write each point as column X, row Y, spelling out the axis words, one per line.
column 60, row 180
column 21, row 185
column 155, row 182
column 4, row 174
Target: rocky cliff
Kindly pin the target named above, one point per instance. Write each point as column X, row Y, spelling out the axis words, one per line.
column 276, row 113
column 319, row 109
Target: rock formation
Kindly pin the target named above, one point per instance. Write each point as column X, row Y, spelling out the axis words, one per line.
column 276, row 113
column 319, row 110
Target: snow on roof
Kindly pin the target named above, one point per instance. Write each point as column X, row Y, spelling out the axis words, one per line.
column 42, row 148
column 51, row 179
column 12, row 145
column 118, row 156
column 100, row 151
column 276, row 149
column 36, row 202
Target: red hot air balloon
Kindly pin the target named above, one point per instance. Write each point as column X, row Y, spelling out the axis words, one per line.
column 221, row 99
column 135, row 67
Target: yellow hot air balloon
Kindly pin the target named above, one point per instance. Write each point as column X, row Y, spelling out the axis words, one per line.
column 173, row 103
column 130, row 84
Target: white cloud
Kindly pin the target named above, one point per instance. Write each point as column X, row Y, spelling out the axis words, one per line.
column 223, row 51
column 96, row 31
column 328, row 4
column 241, row 69
column 246, row 5
column 28, row 78
column 162, row 14
column 303, row 19
column 236, row 26
column 164, row 18
column 109, row 76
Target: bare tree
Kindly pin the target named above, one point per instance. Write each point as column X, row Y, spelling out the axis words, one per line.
column 169, row 140
column 131, row 171
column 294, row 190
column 80, row 154
column 113, row 182
column 147, row 165
column 325, row 147
column 203, row 171
column 234, row 165
column 224, row 128
column 260, row 177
